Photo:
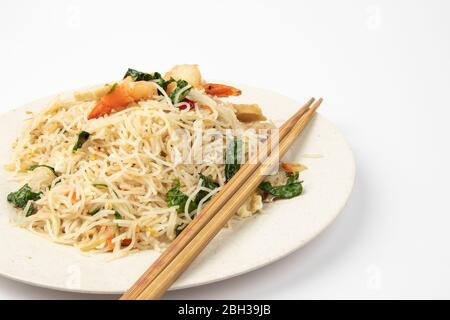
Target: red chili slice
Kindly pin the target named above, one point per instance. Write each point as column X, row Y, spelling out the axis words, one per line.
column 190, row 102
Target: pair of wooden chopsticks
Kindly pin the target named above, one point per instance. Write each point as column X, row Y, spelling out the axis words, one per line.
column 220, row 209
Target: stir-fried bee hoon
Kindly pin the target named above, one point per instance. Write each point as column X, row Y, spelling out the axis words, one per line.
column 127, row 165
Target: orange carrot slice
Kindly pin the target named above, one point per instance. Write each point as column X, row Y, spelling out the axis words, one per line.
column 109, row 244
column 74, row 196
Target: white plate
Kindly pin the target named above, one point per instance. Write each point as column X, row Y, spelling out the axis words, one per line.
column 281, row 228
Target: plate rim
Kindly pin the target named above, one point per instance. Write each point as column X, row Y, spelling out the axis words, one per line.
column 278, row 257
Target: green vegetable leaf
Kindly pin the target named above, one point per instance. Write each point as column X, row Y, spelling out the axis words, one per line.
column 164, row 83
column 117, row 215
column 179, row 228
column 82, row 138
column 180, row 91
column 100, row 185
column 21, row 197
column 292, row 178
column 30, row 210
column 175, row 197
column 91, row 213
column 115, row 193
column 291, row 189
column 57, row 180
column 31, row 168
column 113, row 87
column 207, row 183
column 143, row 76
column 233, row 158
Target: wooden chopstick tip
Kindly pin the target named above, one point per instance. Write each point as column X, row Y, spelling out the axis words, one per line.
column 310, row 101
column 316, row 105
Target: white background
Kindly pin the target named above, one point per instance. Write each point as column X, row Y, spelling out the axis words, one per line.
column 383, row 68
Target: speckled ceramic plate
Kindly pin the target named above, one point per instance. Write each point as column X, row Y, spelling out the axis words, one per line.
column 282, row 227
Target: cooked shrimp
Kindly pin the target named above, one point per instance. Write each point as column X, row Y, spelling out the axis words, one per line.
column 188, row 72
column 42, row 177
column 221, row 90
column 121, row 96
